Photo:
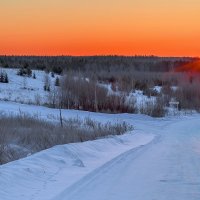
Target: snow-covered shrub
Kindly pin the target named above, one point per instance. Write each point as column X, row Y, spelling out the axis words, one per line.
column 25, row 71
column 81, row 94
column 37, row 99
column 47, row 82
column 23, row 135
column 3, row 77
column 57, row 82
column 154, row 108
column 188, row 96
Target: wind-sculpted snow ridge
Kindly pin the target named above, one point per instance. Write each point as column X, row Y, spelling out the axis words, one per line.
column 46, row 174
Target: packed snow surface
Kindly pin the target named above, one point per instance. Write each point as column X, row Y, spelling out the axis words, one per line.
column 159, row 160
column 167, row 168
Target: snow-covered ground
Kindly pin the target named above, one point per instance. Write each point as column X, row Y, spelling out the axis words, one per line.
column 158, row 160
column 133, row 98
column 24, row 89
column 46, row 174
column 31, row 91
column 140, row 99
column 168, row 168
column 59, row 167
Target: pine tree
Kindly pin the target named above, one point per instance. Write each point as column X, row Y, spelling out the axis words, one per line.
column 20, row 72
column 1, row 77
column 29, row 72
column 6, row 78
column 6, row 65
column 34, row 76
column 52, row 74
column 25, row 71
column 57, row 82
column 47, row 88
column 47, row 83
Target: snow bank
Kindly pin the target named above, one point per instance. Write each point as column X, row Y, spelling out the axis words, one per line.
column 57, row 168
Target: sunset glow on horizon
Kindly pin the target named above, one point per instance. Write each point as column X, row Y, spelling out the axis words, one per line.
column 192, row 67
column 94, row 27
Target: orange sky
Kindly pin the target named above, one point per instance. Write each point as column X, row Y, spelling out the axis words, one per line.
column 88, row 27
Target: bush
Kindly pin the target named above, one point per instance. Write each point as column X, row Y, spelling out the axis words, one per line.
column 57, row 70
column 25, row 71
column 3, row 77
column 154, row 109
column 57, row 82
column 31, row 135
column 34, row 76
column 150, row 92
column 188, row 96
column 77, row 93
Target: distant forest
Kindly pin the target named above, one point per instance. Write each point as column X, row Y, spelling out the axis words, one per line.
column 58, row 64
column 85, row 80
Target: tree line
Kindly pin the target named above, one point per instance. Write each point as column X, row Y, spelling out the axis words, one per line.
column 58, row 64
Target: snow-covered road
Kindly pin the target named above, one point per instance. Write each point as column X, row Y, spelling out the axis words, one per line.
column 166, row 169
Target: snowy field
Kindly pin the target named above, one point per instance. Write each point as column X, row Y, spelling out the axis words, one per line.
column 28, row 90
column 158, row 160
column 24, row 89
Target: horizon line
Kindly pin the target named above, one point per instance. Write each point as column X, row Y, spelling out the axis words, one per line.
column 96, row 55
